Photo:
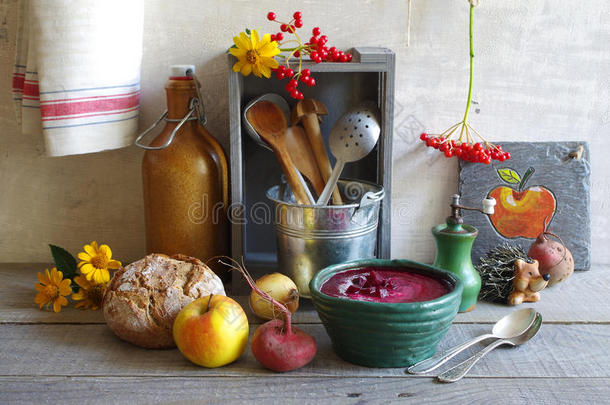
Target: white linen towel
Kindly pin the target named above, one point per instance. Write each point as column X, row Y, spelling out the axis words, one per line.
column 77, row 73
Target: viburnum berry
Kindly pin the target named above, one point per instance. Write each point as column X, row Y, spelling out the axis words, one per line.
column 423, row 136
column 316, row 49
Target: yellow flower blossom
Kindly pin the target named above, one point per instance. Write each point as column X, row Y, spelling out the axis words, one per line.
column 90, row 294
column 254, row 55
column 52, row 289
column 95, row 262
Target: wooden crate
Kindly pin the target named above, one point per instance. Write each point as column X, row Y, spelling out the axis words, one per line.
column 340, row 86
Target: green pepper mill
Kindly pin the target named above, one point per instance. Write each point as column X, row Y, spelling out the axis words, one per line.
column 454, row 242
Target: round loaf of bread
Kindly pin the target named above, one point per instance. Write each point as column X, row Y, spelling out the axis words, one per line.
column 144, row 298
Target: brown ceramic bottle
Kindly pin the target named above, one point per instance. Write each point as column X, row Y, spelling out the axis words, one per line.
column 186, row 184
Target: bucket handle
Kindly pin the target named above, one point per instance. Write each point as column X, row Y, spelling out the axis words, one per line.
column 367, row 199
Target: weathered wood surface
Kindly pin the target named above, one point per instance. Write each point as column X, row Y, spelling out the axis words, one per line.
column 282, row 390
column 44, row 350
column 72, row 357
column 582, row 299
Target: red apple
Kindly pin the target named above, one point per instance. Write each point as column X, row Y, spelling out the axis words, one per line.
column 211, row 331
column 522, row 212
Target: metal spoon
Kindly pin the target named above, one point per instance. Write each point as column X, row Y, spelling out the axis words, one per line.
column 353, row 137
column 459, row 371
column 512, row 325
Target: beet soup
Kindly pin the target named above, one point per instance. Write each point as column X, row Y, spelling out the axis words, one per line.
column 383, row 284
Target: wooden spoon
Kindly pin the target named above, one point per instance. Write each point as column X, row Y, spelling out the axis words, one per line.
column 269, row 121
column 303, row 157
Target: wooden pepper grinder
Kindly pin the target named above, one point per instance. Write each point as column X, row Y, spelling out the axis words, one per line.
column 185, row 178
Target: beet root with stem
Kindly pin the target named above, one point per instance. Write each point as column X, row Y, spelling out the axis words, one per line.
column 276, row 344
column 279, row 350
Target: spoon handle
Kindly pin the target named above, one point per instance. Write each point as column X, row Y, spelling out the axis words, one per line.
column 439, row 359
column 292, row 176
column 456, row 373
column 332, row 182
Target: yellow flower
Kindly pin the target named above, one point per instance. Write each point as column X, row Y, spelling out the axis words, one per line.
column 254, row 55
column 90, row 293
column 96, row 261
column 52, row 289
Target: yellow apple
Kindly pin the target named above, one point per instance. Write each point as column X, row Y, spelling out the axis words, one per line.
column 211, row 331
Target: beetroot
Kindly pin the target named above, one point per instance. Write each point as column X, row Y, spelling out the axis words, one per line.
column 553, row 257
column 277, row 344
column 280, row 350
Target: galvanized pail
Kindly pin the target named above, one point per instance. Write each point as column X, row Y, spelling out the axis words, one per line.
column 310, row 237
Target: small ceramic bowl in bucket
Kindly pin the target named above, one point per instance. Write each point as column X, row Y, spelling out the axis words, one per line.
column 382, row 334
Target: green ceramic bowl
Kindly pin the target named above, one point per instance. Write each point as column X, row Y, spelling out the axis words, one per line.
column 378, row 334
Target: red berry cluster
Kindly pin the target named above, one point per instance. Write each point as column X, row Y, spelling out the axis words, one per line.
column 475, row 153
column 316, row 49
column 320, row 52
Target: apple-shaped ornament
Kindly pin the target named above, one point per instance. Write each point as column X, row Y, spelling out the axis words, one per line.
column 454, row 241
column 554, row 257
column 521, row 211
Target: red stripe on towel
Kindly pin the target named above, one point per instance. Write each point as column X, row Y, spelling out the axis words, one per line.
column 91, row 115
column 31, row 89
column 90, row 97
column 93, row 106
column 18, row 81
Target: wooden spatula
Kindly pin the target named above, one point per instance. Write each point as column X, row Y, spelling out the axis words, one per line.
column 308, row 112
column 303, row 157
column 269, row 121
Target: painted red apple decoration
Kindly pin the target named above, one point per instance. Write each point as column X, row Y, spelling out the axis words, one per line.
column 522, row 212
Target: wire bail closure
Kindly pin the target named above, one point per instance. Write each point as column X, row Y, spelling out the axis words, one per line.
column 195, row 107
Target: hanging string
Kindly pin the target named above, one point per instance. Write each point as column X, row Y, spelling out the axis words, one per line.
column 408, row 22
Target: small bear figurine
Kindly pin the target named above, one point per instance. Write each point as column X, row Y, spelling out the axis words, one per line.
column 527, row 282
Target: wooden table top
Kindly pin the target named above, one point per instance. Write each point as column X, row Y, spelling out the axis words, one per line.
column 72, row 357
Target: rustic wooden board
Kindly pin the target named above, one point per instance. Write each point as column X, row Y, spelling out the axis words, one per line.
column 561, row 183
column 561, row 303
column 71, row 350
column 284, row 389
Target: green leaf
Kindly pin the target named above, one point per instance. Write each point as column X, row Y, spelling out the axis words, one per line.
column 509, row 176
column 64, row 261
column 248, row 31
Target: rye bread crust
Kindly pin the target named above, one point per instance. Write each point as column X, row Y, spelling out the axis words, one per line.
column 144, row 298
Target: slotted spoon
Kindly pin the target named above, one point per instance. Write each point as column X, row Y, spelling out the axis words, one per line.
column 353, row 137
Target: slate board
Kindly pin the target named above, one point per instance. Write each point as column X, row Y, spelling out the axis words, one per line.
column 566, row 180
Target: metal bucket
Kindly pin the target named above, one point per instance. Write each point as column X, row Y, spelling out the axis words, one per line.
column 310, row 237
